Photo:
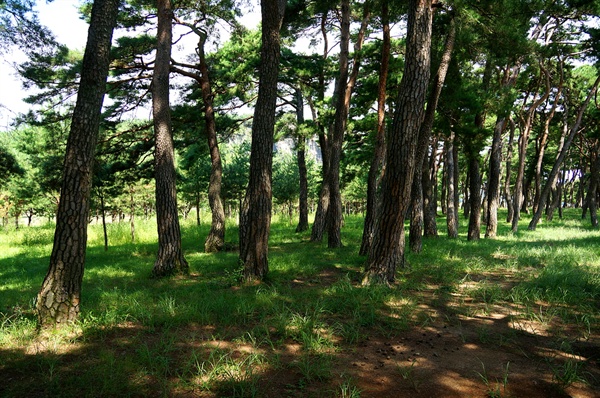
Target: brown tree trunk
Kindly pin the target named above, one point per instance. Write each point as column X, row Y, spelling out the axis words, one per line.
column 592, row 195
column 387, row 250
column 417, row 201
column 103, row 212
column 375, row 169
column 216, row 236
column 493, row 196
column 429, row 194
column 59, row 297
column 507, row 190
column 170, row 259
column 302, row 170
column 132, row 214
column 474, row 196
column 451, row 205
column 318, row 228
column 493, row 192
column 344, row 94
column 255, row 216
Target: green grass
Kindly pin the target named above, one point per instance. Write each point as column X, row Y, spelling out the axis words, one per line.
column 139, row 336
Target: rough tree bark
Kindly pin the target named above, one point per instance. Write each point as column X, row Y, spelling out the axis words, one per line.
column 592, row 194
column 417, row 200
column 170, row 259
column 451, row 205
column 344, row 93
column 493, row 197
column 509, row 153
column 302, row 170
column 474, row 229
column 387, row 250
column 318, row 228
column 59, row 297
column 216, row 236
column 255, row 215
column 430, row 194
column 375, row 169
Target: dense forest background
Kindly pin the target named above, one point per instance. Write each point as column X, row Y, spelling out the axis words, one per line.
column 394, row 111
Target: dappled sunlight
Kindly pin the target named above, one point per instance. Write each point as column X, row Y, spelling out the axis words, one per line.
column 460, row 320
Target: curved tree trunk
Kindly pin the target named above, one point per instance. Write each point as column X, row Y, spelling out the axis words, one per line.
column 387, row 250
column 170, row 259
column 216, row 236
column 417, row 201
column 375, row 168
column 59, row 297
column 255, row 216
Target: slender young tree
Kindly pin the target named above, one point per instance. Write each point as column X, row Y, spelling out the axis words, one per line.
column 387, row 250
column 58, row 301
column 170, row 259
column 255, row 215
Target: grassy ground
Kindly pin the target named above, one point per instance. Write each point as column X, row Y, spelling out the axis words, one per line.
column 514, row 316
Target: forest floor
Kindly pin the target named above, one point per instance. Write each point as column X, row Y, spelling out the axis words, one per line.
column 461, row 347
column 518, row 316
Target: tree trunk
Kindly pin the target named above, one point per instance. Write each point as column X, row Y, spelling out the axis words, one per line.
column 302, row 170
column 387, row 250
column 417, row 201
column 474, row 197
column 493, row 195
column 592, row 194
column 59, row 298
column 170, row 259
column 103, row 212
column 451, row 205
column 493, row 203
column 255, row 215
column 507, row 190
column 216, row 236
column 321, row 215
column 344, row 94
column 429, row 194
column 132, row 214
column 375, row 169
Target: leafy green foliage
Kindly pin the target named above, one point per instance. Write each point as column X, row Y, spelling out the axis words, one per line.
column 8, row 166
